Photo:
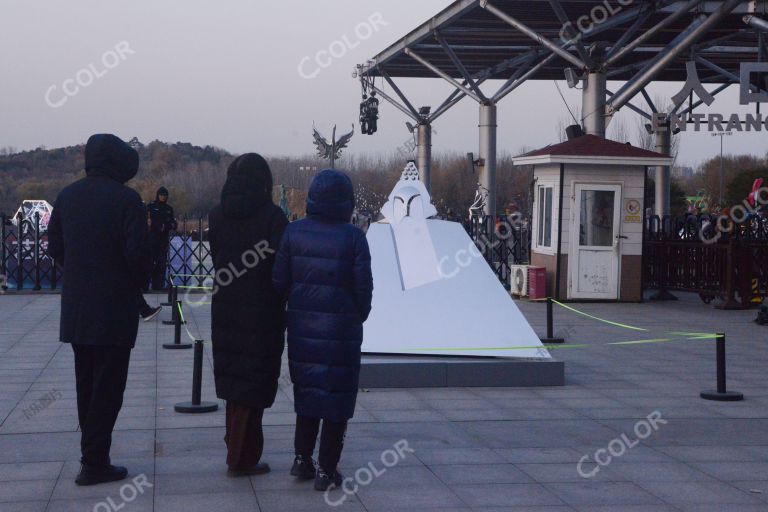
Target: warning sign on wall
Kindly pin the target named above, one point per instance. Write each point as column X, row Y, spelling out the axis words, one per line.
column 633, row 211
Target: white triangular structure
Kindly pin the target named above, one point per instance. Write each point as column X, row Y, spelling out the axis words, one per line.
column 434, row 293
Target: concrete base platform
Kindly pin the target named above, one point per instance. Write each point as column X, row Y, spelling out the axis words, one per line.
column 435, row 372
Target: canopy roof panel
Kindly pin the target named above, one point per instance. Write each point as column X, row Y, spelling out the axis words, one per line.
column 487, row 45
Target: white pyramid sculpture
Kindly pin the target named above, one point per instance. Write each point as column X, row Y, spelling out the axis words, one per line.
column 434, row 293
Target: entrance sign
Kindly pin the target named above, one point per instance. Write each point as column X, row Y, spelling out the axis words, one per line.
column 746, row 96
column 692, row 85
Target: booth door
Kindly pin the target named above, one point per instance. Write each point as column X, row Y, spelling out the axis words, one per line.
column 593, row 265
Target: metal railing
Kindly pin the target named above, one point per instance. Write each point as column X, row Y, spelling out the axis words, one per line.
column 26, row 264
column 504, row 241
column 714, row 258
column 24, row 259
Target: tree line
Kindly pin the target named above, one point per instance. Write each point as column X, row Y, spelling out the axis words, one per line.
column 196, row 174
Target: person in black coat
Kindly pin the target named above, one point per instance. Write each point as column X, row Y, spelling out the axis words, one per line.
column 324, row 268
column 161, row 222
column 248, row 315
column 98, row 232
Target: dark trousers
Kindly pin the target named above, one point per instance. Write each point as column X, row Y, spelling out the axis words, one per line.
column 159, row 262
column 331, row 440
column 244, row 436
column 101, row 374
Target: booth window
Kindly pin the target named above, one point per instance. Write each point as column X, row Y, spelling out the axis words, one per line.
column 545, row 216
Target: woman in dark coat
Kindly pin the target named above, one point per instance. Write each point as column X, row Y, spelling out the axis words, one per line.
column 324, row 267
column 248, row 315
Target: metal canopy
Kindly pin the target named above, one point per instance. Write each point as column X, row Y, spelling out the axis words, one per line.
column 491, row 47
column 634, row 41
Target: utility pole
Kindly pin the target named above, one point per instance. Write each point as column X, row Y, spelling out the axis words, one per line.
column 722, row 166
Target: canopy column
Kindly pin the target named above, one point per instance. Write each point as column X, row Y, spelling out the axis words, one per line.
column 663, row 173
column 593, row 104
column 488, row 129
column 424, row 158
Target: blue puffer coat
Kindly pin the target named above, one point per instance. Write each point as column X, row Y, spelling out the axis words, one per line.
column 324, row 268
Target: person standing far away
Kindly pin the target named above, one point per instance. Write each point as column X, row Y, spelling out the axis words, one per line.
column 248, row 315
column 161, row 223
column 147, row 312
column 324, row 268
column 105, row 267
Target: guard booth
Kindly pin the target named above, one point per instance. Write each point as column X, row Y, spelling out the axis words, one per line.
column 587, row 229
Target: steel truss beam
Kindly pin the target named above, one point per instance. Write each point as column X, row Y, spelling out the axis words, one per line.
column 647, row 35
column 460, row 67
column 400, row 95
column 670, row 53
column 394, row 103
column 466, row 90
column 630, row 106
column 649, row 100
column 523, row 78
column 574, row 37
column 527, row 31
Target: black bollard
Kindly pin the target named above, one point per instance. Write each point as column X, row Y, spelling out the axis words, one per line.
column 550, row 337
column 177, row 344
column 171, row 286
column 722, row 394
column 196, row 406
column 175, row 317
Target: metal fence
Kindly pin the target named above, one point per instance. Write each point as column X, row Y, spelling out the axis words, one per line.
column 189, row 254
column 26, row 265
column 24, row 259
column 691, row 253
column 504, row 241
column 714, row 258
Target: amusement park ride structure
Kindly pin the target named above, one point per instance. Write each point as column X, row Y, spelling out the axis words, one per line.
column 26, row 214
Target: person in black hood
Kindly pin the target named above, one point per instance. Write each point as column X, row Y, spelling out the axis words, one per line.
column 324, row 268
column 161, row 223
column 105, row 267
column 248, row 315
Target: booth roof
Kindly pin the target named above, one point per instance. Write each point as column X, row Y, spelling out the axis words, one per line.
column 593, row 149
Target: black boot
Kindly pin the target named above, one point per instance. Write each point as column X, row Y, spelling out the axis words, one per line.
column 91, row 475
column 262, row 468
column 303, row 468
column 324, row 480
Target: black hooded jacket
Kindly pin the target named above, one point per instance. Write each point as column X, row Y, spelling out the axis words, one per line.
column 161, row 216
column 98, row 232
column 248, row 316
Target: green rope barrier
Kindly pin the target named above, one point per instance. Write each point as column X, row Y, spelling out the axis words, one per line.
column 617, row 324
column 184, row 323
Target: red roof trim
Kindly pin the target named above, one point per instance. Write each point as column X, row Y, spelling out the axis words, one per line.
column 592, row 145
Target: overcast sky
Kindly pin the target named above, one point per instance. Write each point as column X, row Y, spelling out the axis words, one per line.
column 227, row 73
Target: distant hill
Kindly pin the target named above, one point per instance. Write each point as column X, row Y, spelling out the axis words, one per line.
column 195, row 175
column 191, row 172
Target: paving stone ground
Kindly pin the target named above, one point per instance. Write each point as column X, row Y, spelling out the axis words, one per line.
column 474, row 448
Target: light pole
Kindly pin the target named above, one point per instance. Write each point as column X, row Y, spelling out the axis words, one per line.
column 722, row 169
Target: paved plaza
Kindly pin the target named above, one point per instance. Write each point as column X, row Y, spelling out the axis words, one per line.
column 473, row 448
